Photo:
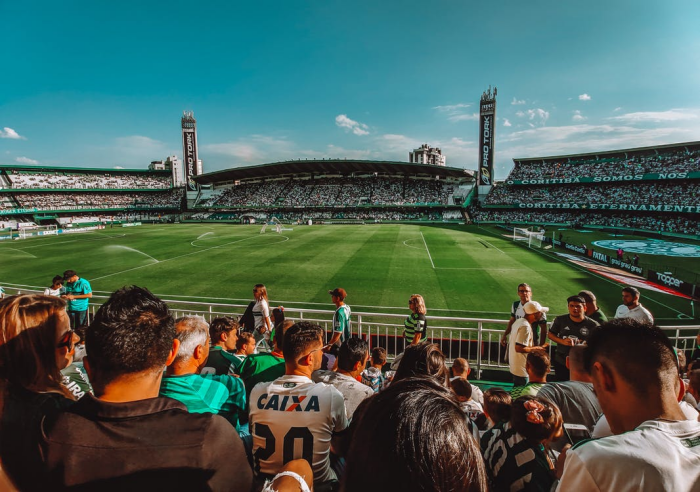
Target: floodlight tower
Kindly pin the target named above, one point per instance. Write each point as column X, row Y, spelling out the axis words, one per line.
column 487, row 135
column 189, row 150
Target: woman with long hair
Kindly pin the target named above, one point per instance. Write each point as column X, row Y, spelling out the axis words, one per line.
column 261, row 313
column 415, row 325
column 36, row 342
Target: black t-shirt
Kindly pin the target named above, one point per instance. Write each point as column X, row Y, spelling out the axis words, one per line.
column 564, row 327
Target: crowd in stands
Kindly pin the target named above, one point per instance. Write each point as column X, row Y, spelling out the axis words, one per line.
column 135, row 399
column 664, row 162
column 96, row 200
column 642, row 192
column 674, row 223
column 336, row 191
column 72, row 180
column 366, row 215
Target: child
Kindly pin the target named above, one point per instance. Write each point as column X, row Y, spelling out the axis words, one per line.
column 372, row 376
column 463, row 390
column 497, row 403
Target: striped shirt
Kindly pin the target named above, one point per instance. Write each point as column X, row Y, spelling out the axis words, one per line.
column 530, row 389
column 516, row 463
column 221, row 362
column 208, row 393
column 415, row 323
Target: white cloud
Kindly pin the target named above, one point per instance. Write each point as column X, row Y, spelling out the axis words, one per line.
column 538, row 115
column 457, row 112
column 26, row 160
column 516, row 102
column 520, row 114
column 578, row 116
column 356, row 127
column 584, row 97
column 11, row 134
column 658, row 116
column 118, row 167
column 506, row 122
column 617, row 109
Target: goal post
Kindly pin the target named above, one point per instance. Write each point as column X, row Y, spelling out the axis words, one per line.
column 35, row 231
column 275, row 222
column 533, row 239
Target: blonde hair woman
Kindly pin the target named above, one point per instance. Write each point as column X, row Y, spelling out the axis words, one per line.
column 261, row 314
column 415, row 325
column 36, row 342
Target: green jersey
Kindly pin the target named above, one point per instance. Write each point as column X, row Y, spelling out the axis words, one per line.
column 221, row 362
column 260, row 368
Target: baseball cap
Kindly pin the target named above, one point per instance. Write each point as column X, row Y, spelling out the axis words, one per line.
column 533, row 307
column 338, row 292
column 69, row 274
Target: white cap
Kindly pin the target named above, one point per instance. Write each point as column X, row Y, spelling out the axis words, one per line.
column 533, row 307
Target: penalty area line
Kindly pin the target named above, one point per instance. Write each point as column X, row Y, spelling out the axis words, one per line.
column 426, row 249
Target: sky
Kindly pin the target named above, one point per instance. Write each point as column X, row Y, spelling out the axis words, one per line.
column 104, row 84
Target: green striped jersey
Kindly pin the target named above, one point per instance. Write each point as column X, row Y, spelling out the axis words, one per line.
column 221, row 362
column 415, row 323
column 530, row 389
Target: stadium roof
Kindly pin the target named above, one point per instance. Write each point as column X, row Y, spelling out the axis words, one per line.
column 613, row 153
column 331, row 166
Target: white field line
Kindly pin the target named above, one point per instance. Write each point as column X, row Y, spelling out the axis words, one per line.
column 408, row 245
column 484, row 240
column 426, row 249
column 181, row 256
column 20, row 250
column 54, row 243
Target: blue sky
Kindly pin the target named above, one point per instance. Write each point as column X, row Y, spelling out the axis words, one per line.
column 101, row 84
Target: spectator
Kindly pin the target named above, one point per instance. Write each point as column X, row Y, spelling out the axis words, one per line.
column 592, row 310
column 352, row 359
column 223, row 333
column 575, row 398
column 569, row 330
column 497, row 405
column 652, row 448
column 694, row 386
column 518, row 456
column 36, row 342
column 261, row 313
column 521, row 343
column 184, row 381
column 341, row 317
column 436, row 451
column 537, row 367
column 423, row 360
column 77, row 293
column 373, row 376
column 322, row 410
column 156, row 443
column 463, row 391
column 56, row 287
column 516, row 312
column 632, row 308
column 245, row 345
column 460, row 369
column 415, row 325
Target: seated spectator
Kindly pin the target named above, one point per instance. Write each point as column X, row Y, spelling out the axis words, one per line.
column 321, row 411
column 36, row 342
column 460, row 369
column 245, row 346
column 295, row 476
column 352, row 358
column 463, row 390
column 413, row 437
column 537, row 367
column 126, row 437
column 423, row 360
column 653, row 446
column 575, row 398
column 183, row 381
column 518, row 456
column 497, row 404
column 694, row 385
column 373, row 376
column 223, row 333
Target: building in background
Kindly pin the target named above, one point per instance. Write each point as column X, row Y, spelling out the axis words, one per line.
column 427, row 155
column 172, row 163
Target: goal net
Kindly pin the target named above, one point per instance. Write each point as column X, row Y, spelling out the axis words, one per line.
column 275, row 223
column 34, row 231
column 532, row 238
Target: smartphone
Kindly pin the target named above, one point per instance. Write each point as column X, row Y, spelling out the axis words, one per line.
column 576, row 433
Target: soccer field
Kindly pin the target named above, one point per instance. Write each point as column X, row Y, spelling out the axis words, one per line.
column 460, row 270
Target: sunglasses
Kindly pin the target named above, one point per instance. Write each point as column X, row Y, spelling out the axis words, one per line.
column 66, row 340
column 316, row 350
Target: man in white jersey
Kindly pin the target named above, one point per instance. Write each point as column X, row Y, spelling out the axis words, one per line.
column 292, row 417
column 654, row 447
column 632, row 308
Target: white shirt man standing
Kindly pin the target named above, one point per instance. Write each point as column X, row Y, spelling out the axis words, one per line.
column 632, row 308
column 522, row 341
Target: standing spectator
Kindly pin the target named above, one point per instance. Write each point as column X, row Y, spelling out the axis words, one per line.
column 341, row 317
column 632, row 308
column 460, row 369
column 320, row 411
column 635, row 260
column 352, row 359
column 373, row 376
column 653, row 447
column 427, row 448
column 56, row 286
column 518, row 456
column 261, row 314
column 575, row 398
column 569, row 330
column 184, row 381
column 36, row 342
column 223, row 333
column 537, row 367
column 516, row 312
column 78, row 291
column 592, row 309
column 522, row 342
column 415, row 325
column 126, row 437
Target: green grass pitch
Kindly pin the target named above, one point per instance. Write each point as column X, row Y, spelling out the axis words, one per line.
column 460, row 270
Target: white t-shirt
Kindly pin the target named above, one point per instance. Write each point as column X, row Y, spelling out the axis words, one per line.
column 292, row 417
column 640, row 313
column 656, row 456
column 261, row 310
column 477, row 394
column 353, row 391
column 602, row 427
column 521, row 333
column 52, row 292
